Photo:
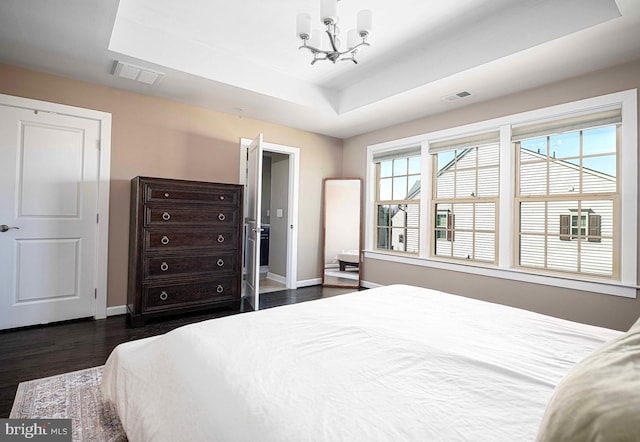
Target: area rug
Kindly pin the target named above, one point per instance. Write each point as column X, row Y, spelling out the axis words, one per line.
column 75, row 396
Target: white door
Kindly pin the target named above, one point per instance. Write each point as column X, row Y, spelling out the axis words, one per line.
column 252, row 220
column 49, row 168
column 292, row 204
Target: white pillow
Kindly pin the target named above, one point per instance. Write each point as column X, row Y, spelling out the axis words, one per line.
column 599, row 399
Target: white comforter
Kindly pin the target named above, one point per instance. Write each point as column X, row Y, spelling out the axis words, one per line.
column 396, row 363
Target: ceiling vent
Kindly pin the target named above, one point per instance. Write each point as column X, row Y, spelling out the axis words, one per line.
column 456, row 96
column 137, row 73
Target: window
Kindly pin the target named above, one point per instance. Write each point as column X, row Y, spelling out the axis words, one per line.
column 548, row 196
column 398, row 201
column 568, row 195
column 573, row 227
column 465, row 197
column 581, row 222
column 444, row 225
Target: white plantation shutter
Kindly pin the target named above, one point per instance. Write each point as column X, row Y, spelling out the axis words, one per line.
column 407, row 152
column 568, row 124
column 465, row 142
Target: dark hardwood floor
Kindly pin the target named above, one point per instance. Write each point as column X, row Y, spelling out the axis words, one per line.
column 41, row 351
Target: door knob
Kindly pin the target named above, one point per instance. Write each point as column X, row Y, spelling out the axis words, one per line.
column 4, row 228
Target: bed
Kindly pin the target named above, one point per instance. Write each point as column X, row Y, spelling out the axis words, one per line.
column 395, row 363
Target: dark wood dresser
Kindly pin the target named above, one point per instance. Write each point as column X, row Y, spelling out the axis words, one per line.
column 185, row 247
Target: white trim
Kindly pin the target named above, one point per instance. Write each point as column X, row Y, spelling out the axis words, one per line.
column 370, row 285
column 102, row 229
column 294, row 190
column 626, row 287
column 596, row 286
column 629, row 194
column 117, row 310
column 104, row 187
column 309, row 282
column 370, row 201
column 425, row 203
column 505, row 225
column 276, row 278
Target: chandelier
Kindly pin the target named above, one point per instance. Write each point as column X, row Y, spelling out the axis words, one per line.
column 356, row 38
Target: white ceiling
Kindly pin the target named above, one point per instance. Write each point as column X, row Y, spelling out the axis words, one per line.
column 242, row 57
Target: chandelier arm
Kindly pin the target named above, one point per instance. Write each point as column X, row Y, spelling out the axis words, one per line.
column 316, row 58
column 312, row 49
column 332, row 40
column 350, row 59
column 348, row 51
column 337, row 54
column 364, row 43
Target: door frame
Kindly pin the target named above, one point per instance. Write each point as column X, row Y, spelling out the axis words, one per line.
column 291, row 279
column 100, row 264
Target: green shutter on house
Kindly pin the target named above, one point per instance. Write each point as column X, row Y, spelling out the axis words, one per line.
column 594, row 228
column 565, row 227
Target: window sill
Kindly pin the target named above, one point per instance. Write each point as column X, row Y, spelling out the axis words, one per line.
column 597, row 286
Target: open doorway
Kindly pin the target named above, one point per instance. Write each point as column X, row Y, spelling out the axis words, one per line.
column 278, row 214
column 274, row 216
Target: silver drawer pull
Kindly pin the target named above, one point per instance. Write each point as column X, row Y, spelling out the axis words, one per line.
column 166, row 194
column 164, row 266
column 220, row 262
column 222, row 217
column 221, row 197
column 220, row 238
column 163, row 296
column 166, row 216
column 164, row 240
column 219, row 289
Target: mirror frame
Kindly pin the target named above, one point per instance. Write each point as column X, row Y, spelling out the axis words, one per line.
column 357, row 212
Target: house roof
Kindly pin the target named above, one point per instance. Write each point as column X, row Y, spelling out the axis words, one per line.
column 570, row 165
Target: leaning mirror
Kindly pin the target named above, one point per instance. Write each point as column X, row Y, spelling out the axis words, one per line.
column 342, row 232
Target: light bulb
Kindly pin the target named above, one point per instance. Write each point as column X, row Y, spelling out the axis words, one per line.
column 329, row 11
column 303, row 25
column 365, row 21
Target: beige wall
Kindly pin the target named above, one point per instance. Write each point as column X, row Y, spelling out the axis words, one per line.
column 155, row 137
column 603, row 310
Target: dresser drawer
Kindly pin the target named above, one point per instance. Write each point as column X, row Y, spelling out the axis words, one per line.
column 158, row 267
column 170, row 296
column 169, row 239
column 191, row 193
column 185, row 216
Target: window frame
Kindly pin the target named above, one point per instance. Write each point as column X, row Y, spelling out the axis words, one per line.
column 394, row 202
column 473, row 200
column 575, row 232
column 626, row 285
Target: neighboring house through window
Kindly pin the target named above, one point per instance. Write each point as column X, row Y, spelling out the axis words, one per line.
column 465, row 197
column 547, row 196
column 398, row 201
column 568, row 194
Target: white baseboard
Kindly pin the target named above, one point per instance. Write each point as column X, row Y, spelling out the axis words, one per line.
column 117, row 310
column 318, row 281
column 276, row 278
column 309, row 282
column 369, row 285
